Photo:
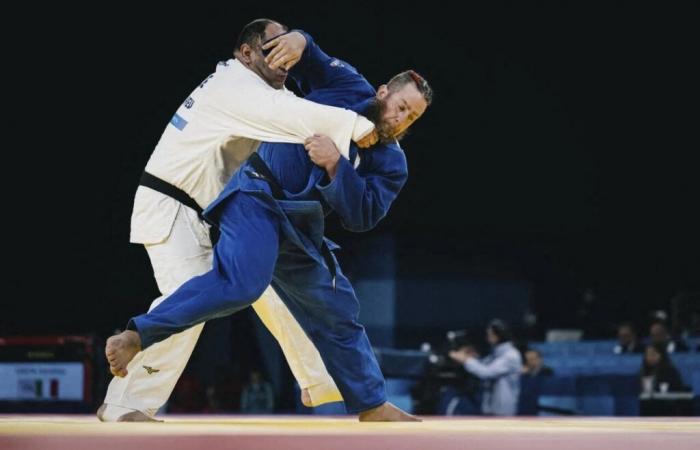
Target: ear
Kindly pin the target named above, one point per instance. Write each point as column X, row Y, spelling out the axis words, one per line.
column 244, row 53
column 382, row 92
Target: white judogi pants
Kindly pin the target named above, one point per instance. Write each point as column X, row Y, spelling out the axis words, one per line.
column 186, row 253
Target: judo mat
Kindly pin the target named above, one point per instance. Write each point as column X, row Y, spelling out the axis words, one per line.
column 210, row 432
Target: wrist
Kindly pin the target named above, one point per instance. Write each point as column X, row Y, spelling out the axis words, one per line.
column 332, row 167
column 305, row 39
column 300, row 34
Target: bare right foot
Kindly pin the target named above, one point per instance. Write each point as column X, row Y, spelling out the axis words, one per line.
column 306, row 398
column 121, row 349
column 387, row 412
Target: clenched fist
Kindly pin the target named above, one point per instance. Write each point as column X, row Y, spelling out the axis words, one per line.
column 323, row 153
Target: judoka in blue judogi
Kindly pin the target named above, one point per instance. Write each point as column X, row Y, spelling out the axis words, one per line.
column 271, row 221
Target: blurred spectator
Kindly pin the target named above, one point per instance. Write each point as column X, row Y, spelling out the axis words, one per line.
column 627, row 341
column 534, row 365
column 658, row 334
column 658, row 373
column 694, row 326
column 593, row 315
column 257, row 397
column 500, row 370
column 685, row 308
column 188, row 395
column 224, row 395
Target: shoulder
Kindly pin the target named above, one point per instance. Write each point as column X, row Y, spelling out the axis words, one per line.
column 390, row 156
column 391, row 150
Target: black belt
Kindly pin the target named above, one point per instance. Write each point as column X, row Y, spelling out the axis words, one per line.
column 263, row 172
column 165, row 188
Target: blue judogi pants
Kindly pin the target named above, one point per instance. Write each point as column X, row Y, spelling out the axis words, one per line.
column 261, row 244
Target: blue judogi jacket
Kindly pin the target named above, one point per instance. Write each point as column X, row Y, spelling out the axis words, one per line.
column 361, row 197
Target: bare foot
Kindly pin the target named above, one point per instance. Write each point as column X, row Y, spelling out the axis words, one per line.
column 101, row 411
column 136, row 416
column 387, row 412
column 121, row 349
column 306, row 398
column 133, row 416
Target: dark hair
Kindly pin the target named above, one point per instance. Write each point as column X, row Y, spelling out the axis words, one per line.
column 664, row 360
column 411, row 76
column 500, row 329
column 254, row 33
column 629, row 325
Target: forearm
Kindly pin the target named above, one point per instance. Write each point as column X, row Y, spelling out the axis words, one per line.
column 493, row 369
column 281, row 117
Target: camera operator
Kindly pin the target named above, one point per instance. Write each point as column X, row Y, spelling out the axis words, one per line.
column 445, row 381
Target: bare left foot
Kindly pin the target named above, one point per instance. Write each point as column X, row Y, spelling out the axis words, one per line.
column 136, row 416
column 121, row 349
column 132, row 416
column 101, row 412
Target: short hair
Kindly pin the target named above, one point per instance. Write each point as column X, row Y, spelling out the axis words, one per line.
column 254, row 33
column 500, row 329
column 629, row 325
column 411, row 76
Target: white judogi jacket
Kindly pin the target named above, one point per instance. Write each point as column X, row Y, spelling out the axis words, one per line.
column 217, row 128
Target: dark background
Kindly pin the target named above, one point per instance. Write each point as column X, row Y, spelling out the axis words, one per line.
column 559, row 151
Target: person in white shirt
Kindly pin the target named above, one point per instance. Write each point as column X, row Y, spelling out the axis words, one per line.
column 212, row 133
column 500, row 371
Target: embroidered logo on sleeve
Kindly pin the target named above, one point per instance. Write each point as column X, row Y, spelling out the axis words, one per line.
column 337, row 63
column 151, row 370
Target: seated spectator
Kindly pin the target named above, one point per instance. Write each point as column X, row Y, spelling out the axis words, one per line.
column 658, row 373
column 257, row 397
column 534, row 365
column 658, row 334
column 500, row 371
column 627, row 341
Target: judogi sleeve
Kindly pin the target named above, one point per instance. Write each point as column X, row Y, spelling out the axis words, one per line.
column 362, row 197
column 316, row 70
column 254, row 110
